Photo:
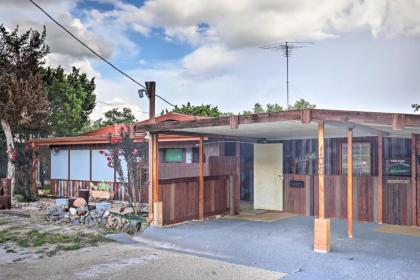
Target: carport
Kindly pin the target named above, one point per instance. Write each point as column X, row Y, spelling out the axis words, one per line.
column 372, row 196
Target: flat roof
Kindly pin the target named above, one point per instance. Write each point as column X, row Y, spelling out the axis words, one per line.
column 294, row 124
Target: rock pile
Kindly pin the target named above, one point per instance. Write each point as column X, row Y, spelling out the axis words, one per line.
column 118, row 219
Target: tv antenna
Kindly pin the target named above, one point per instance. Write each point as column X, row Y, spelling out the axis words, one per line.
column 287, row 48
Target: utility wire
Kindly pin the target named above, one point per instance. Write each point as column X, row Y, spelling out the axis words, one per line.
column 95, row 53
column 119, row 105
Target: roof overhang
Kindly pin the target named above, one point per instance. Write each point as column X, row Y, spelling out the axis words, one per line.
column 296, row 124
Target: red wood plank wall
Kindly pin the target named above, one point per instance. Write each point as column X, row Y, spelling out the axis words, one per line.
column 70, row 188
column 180, row 198
column 304, row 201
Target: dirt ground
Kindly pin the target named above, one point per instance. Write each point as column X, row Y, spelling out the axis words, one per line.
column 117, row 261
column 25, row 255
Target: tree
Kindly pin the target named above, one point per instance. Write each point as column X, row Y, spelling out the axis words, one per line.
column 416, row 107
column 302, row 104
column 258, row 108
column 71, row 100
column 273, row 108
column 135, row 154
column 22, row 97
column 198, row 110
column 115, row 116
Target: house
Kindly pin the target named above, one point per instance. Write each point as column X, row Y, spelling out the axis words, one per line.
column 300, row 164
column 76, row 161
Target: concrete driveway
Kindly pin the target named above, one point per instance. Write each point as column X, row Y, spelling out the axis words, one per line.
column 286, row 246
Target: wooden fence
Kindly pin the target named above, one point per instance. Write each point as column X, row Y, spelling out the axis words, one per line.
column 70, row 188
column 5, row 193
column 180, row 197
column 397, row 202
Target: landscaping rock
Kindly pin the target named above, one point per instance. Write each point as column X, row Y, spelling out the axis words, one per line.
column 79, row 202
column 73, row 211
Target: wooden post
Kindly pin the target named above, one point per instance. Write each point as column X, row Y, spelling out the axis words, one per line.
column 414, row 180
column 157, row 203
column 150, row 181
column 237, row 191
column 155, row 160
column 350, row 183
column 151, row 93
column 380, row 177
column 321, row 170
column 322, row 226
column 201, row 179
column 34, row 170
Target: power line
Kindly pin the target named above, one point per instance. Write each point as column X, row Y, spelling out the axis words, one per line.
column 119, row 105
column 95, row 53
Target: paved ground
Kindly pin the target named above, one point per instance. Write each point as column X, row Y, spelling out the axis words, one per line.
column 286, row 246
column 118, row 261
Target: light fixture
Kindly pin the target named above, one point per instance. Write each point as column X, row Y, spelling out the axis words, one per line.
column 141, row 92
column 148, row 136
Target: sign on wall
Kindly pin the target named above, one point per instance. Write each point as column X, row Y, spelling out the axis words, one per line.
column 398, row 166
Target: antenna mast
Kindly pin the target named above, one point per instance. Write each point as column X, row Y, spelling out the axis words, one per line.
column 287, row 49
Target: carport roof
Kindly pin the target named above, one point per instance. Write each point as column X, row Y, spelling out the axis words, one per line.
column 294, row 124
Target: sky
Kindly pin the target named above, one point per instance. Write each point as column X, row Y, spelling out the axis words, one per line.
column 365, row 54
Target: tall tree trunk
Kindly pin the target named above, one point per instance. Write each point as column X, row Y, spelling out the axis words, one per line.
column 10, row 144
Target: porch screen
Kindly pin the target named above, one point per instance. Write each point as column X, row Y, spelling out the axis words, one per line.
column 79, row 165
column 100, row 169
column 361, row 159
column 59, row 164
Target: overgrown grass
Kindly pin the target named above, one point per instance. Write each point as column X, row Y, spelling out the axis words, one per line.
column 3, row 222
column 63, row 242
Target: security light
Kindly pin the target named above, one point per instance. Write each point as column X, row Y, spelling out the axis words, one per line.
column 141, row 92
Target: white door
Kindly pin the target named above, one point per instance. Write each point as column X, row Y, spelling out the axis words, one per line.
column 268, row 176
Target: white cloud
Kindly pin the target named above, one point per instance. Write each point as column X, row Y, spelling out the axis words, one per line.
column 65, row 50
column 250, row 23
column 209, row 60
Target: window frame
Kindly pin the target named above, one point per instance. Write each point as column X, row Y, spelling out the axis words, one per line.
column 163, row 157
column 195, row 150
column 370, row 157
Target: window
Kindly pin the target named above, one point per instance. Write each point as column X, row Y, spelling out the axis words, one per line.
column 196, row 156
column 230, row 148
column 172, row 155
column 361, row 159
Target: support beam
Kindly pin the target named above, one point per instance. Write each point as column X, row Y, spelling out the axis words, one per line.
column 151, row 94
column 237, row 191
column 380, row 177
column 414, row 180
column 33, row 170
column 322, row 226
column 201, row 179
column 150, row 181
column 321, row 170
column 350, row 183
column 157, row 203
column 155, row 160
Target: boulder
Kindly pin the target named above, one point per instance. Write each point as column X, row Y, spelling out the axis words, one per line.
column 81, row 211
column 79, row 202
column 73, row 211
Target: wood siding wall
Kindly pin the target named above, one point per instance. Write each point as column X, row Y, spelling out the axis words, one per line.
column 397, row 194
column 180, row 197
column 70, row 188
column 304, row 201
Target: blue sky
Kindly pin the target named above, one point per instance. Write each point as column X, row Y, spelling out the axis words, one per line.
column 366, row 54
